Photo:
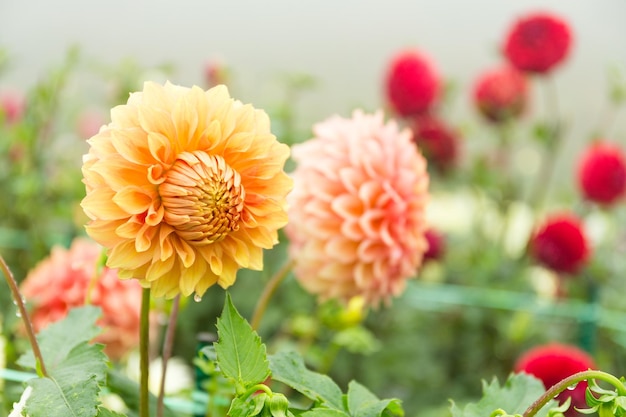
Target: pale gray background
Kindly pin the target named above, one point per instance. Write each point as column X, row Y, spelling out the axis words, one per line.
column 345, row 44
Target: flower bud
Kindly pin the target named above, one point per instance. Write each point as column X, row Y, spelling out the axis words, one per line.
column 279, row 405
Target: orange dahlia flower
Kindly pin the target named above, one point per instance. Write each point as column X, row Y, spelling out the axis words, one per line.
column 357, row 213
column 184, row 187
column 67, row 278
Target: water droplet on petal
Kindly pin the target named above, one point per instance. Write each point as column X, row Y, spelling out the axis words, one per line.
column 18, row 314
column 197, row 298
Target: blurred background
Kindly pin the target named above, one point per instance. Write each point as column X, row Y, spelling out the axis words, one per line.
column 344, row 45
column 303, row 61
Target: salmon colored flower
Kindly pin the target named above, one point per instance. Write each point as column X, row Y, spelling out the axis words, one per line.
column 357, row 213
column 412, row 83
column 602, row 173
column 560, row 244
column 538, row 42
column 501, row 94
column 67, row 278
column 554, row 362
column 184, row 187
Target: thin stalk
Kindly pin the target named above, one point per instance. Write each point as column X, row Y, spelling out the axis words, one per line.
column 569, row 381
column 546, row 170
column 19, row 301
column 268, row 292
column 168, row 345
column 144, row 359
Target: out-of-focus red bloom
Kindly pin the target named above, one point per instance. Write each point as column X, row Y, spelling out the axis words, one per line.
column 501, row 93
column 412, row 83
column 436, row 245
column 560, row 244
column 538, row 42
column 554, row 362
column 12, row 106
column 63, row 281
column 215, row 73
column 438, row 141
column 602, row 173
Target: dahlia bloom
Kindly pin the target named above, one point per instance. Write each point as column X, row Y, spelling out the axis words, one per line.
column 438, row 141
column 554, row 362
column 560, row 244
column 66, row 278
column 602, row 173
column 436, row 245
column 538, row 42
column 357, row 212
column 501, row 94
column 184, row 187
column 12, row 106
column 412, row 83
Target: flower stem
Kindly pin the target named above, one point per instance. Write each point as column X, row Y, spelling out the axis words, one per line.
column 268, row 292
column 569, row 381
column 19, row 301
column 548, row 162
column 144, row 360
column 168, row 345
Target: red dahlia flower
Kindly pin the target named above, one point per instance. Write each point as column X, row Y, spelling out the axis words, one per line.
column 602, row 173
column 501, row 93
column 554, row 362
column 560, row 244
column 538, row 42
column 412, row 83
column 438, row 142
column 436, row 245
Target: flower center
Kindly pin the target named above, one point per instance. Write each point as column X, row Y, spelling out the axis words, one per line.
column 202, row 197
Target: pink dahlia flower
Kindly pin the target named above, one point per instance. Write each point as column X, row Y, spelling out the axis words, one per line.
column 412, row 83
column 554, row 362
column 501, row 94
column 538, row 42
column 357, row 212
column 439, row 142
column 12, row 106
column 65, row 279
column 560, row 244
column 602, row 173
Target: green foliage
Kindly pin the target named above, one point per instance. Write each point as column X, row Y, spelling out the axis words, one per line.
column 607, row 403
column 242, row 358
column 289, row 368
column 240, row 352
column 517, row 394
column 75, row 369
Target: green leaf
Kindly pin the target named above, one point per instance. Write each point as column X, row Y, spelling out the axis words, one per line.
column 324, row 412
column 289, row 368
column 240, row 353
column 515, row 396
column 58, row 339
column 75, row 368
column 363, row 403
column 105, row 412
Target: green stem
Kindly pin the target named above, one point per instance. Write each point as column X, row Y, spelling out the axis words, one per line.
column 548, row 162
column 168, row 345
column 19, row 301
column 268, row 292
column 144, row 359
column 569, row 381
